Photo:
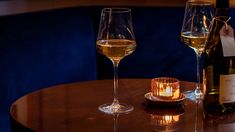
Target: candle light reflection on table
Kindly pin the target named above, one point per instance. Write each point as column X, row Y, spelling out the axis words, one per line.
column 165, row 119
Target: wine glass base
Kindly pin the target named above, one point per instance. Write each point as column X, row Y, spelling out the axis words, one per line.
column 110, row 109
column 194, row 95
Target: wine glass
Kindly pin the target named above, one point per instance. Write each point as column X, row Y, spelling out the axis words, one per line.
column 115, row 40
column 195, row 29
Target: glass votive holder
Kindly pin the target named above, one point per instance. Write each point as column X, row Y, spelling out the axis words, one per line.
column 165, row 88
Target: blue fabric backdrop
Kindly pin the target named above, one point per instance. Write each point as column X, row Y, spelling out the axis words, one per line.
column 41, row 49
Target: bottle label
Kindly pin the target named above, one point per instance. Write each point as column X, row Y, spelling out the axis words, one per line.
column 227, row 40
column 227, row 127
column 227, row 88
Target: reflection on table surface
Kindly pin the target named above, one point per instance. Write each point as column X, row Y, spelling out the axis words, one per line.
column 74, row 107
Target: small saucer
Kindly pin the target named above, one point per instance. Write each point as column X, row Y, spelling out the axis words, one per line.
column 164, row 102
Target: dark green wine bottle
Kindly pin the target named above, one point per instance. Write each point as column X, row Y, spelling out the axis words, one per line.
column 219, row 66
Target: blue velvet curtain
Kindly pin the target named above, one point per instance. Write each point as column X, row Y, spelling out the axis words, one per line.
column 41, row 49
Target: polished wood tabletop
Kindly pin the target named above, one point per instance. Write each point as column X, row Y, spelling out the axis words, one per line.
column 74, row 108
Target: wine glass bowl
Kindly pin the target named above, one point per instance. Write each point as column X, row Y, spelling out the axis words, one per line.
column 116, row 49
column 115, row 40
column 196, row 25
column 195, row 29
column 197, row 42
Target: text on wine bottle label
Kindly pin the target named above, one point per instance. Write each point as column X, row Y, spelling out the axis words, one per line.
column 227, row 88
column 229, row 127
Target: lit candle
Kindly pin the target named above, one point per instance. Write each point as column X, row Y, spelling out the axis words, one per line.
column 165, row 87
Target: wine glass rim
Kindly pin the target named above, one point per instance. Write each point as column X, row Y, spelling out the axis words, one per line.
column 116, row 9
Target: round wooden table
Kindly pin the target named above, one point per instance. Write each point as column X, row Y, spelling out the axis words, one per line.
column 74, row 108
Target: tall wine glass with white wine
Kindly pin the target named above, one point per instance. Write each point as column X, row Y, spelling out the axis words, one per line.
column 195, row 29
column 115, row 40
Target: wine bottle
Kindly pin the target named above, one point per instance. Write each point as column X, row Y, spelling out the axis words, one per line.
column 219, row 66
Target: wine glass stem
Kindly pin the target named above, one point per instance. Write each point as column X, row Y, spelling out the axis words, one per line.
column 115, row 84
column 198, row 72
column 198, row 92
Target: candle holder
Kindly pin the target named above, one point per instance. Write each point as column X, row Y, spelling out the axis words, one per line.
column 165, row 91
column 165, row 88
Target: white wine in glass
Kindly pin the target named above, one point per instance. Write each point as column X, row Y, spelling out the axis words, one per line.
column 194, row 41
column 116, row 49
column 195, row 29
column 115, row 40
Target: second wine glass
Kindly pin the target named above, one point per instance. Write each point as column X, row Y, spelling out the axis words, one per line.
column 115, row 40
column 195, row 29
